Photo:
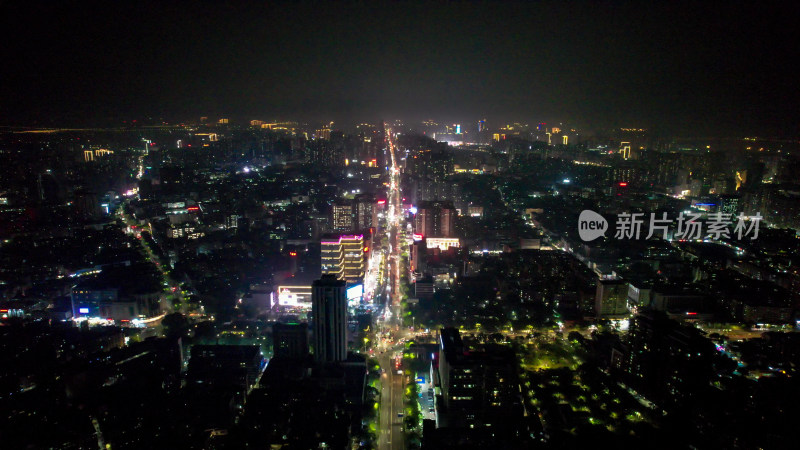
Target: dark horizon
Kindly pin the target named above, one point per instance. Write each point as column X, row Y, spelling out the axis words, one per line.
column 680, row 67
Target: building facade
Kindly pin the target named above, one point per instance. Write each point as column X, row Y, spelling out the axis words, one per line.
column 330, row 319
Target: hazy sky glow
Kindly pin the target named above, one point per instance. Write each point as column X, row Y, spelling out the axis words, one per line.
column 678, row 65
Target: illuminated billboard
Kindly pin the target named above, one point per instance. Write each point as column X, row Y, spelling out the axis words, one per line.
column 294, row 296
column 355, row 292
column 443, row 243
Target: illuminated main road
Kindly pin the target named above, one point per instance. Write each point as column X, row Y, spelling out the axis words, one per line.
column 391, row 329
column 173, row 285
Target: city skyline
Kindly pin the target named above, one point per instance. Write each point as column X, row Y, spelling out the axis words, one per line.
column 399, row 225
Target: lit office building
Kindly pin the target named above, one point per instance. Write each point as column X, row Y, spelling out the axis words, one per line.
column 343, row 216
column 435, row 219
column 366, row 214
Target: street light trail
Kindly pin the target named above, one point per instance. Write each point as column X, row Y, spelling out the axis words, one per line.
column 391, row 435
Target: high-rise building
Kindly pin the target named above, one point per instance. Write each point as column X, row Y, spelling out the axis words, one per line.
column 327, row 153
column 232, row 221
column 611, row 299
column 366, row 214
column 435, row 219
column 667, row 360
column 478, row 387
column 343, row 216
column 344, row 256
column 330, row 319
column 625, row 150
column 730, row 204
column 290, row 340
column 324, row 134
column 171, row 179
column 236, row 366
column 86, row 205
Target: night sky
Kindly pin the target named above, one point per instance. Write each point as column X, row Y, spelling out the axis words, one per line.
column 677, row 66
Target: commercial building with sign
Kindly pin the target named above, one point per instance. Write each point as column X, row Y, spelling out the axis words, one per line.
column 294, row 296
column 344, row 256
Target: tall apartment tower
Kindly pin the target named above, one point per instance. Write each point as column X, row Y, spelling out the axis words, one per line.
column 329, row 307
column 354, row 215
column 365, row 211
column 343, row 216
column 611, row 299
column 435, row 219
